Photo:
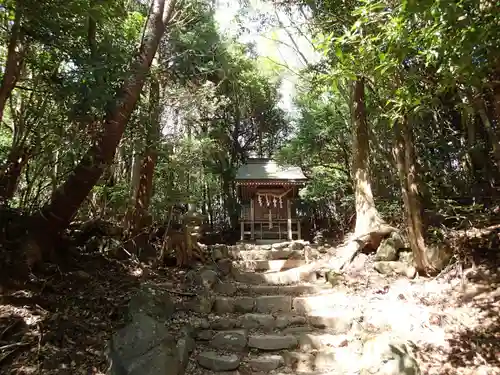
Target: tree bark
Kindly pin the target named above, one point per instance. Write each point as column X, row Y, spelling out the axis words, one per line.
column 369, row 228
column 18, row 156
column 405, row 161
column 11, row 172
column 490, row 130
column 14, row 63
column 367, row 216
column 138, row 217
column 57, row 214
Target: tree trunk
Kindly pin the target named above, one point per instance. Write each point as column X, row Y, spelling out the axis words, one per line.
column 15, row 59
column 370, row 228
column 57, row 214
column 490, row 130
column 405, row 160
column 11, row 172
column 478, row 103
column 135, row 173
column 367, row 216
column 18, row 156
column 139, row 217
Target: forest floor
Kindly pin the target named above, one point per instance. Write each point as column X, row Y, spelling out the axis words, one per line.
column 59, row 322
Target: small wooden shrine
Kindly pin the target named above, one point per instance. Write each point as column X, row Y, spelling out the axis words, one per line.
column 268, row 194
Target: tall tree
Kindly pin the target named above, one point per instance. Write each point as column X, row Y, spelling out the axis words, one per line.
column 65, row 202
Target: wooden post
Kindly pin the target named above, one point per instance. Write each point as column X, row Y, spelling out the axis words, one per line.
column 298, row 229
column 289, row 219
column 252, row 219
column 242, row 228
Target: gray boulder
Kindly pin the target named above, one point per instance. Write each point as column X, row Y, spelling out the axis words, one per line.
column 389, row 247
column 144, row 347
column 386, row 355
column 152, row 301
column 398, row 268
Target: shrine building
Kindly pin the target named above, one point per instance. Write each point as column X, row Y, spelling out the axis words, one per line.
column 268, row 193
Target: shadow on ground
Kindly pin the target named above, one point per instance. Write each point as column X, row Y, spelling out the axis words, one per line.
column 475, row 346
column 58, row 321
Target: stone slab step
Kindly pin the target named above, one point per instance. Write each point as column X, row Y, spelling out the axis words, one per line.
column 269, row 265
column 323, row 310
column 288, row 277
column 260, row 254
column 232, row 288
column 261, row 304
column 272, row 342
column 278, row 363
column 307, row 304
column 254, row 322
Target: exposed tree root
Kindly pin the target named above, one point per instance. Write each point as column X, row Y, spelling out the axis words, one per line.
column 344, row 254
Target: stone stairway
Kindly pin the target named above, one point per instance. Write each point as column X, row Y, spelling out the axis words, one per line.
column 252, row 312
column 261, row 325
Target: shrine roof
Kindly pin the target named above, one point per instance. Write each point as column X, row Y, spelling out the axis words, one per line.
column 268, row 169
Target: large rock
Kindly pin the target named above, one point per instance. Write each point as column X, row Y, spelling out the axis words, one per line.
column 225, row 266
column 203, row 303
column 272, row 342
column 319, row 341
column 266, row 362
column 337, row 322
column 273, row 304
column 185, row 346
column 407, row 257
column 219, row 252
column 217, row 362
column 439, row 255
column 280, row 246
column 386, row 355
column 228, row 289
column 297, row 245
column 208, row 278
column 389, row 247
column 237, row 304
column 205, row 277
column 262, row 321
column 153, row 301
column 283, row 321
column 399, row 268
column 230, row 340
column 143, row 347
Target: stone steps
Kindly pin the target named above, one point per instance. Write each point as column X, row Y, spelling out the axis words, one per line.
column 266, row 254
column 288, row 277
column 269, row 265
column 235, row 288
column 328, row 303
column 269, row 352
column 274, row 317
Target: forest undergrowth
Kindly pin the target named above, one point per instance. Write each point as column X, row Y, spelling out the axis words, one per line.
column 59, row 320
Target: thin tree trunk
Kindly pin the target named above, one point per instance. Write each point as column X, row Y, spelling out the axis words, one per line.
column 135, row 173
column 15, row 60
column 370, row 228
column 367, row 216
column 11, row 172
column 405, row 160
column 57, row 214
column 139, row 214
column 492, row 135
